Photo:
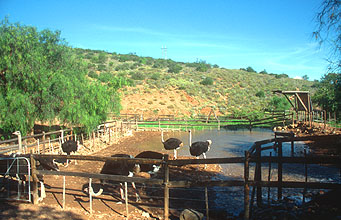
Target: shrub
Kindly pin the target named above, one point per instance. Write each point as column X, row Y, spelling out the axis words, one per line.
column 250, row 70
column 202, row 66
column 137, row 76
column 93, row 75
column 260, row 94
column 101, row 67
column 155, row 76
column 207, row 81
column 174, row 68
column 102, row 57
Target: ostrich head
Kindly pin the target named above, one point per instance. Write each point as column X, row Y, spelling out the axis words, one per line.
column 17, row 133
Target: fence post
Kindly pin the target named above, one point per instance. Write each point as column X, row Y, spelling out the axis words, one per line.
column 324, row 118
column 206, row 202
column 280, row 170
column 35, row 195
column 292, row 135
column 258, row 175
column 44, row 149
column 62, row 136
column 166, row 191
column 246, row 186
column 269, row 177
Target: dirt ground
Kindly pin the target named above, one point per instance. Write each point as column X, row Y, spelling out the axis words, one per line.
column 106, row 206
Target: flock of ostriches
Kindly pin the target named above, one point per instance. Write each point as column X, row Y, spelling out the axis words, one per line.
column 111, row 167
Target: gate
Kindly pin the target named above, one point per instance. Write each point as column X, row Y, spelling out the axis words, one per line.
column 15, row 173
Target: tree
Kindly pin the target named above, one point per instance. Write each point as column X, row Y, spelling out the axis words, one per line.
column 263, row 72
column 305, row 77
column 250, row 69
column 174, row 68
column 41, row 79
column 328, row 94
column 328, row 31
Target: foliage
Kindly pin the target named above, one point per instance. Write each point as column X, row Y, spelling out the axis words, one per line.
column 234, row 91
column 207, row 81
column 102, row 57
column 202, row 66
column 92, row 74
column 174, row 68
column 328, row 31
column 137, row 76
column 155, row 76
column 260, row 94
column 328, row 92
column 283, row 75
column 279, row 103
column 250, row 70
column 263, row 72
column 102, row 67
column 41, row 80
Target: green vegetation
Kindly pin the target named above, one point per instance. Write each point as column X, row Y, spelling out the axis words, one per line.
column 41, row 79
column 236, row 93
column 328, row 94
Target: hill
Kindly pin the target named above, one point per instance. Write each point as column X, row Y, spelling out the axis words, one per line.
column 159, row 86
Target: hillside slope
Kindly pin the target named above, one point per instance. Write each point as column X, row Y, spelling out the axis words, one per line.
column 159, row 87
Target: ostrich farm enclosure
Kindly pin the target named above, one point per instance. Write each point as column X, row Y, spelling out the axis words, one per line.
column 105, row 206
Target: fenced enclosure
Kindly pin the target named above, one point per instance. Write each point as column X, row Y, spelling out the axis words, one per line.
column 255, row 165
column 13, row 185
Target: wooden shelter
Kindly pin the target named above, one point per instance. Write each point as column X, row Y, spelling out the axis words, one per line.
column 301, row 101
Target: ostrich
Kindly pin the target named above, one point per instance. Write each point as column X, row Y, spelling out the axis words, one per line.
column 150, row 168
column 172, row 144
column 17, row 133
column 68, row 147
column 199, row 148
column 119, row 168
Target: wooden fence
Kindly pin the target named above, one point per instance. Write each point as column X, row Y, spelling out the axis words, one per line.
column 50, row 142
column 253, row 155
column 210, row 123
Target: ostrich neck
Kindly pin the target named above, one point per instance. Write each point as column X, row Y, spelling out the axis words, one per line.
column 162, row 140
column 190, row 138
column 19, row 143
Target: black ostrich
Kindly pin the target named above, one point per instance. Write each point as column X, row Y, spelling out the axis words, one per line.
column 199, row 148
column 68, row 147
column 120, row 168
column 150, row 168
column 172, row 144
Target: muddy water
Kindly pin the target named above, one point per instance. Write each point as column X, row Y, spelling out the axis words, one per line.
column 227, row 143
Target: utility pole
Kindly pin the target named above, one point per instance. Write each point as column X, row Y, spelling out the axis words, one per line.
column 164, row 52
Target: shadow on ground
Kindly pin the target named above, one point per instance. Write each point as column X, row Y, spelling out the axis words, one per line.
column 16, row 210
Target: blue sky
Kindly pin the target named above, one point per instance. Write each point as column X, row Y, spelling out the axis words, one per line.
column 274, row 35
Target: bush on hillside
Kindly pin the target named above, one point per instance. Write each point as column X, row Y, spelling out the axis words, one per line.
column 137, row 76
column 207, row 81
column 174, row 68
column 260, row 94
